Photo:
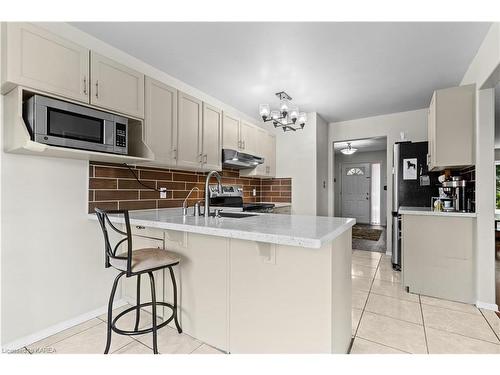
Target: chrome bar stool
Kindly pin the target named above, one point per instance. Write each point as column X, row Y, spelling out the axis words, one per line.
column 135, row 263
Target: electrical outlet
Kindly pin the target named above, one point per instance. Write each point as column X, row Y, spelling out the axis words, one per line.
column 163, row 193
column 254, row 192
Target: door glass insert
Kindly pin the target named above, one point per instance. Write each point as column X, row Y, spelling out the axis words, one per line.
column 355, row 171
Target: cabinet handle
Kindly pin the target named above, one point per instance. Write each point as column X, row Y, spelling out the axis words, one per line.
column 85, row 85
column 140, row 227
column 175, row 153
column 201, row 158
column 97, row 89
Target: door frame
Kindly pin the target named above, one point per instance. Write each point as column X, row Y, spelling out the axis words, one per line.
column 342, row 186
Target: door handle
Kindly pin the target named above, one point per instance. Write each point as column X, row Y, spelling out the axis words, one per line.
column 97, row 89
column 85, row 85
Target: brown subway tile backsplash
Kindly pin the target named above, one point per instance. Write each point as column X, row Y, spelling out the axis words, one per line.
column 113, row 186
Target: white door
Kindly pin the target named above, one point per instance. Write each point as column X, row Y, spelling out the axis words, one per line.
column 356, row 191
column 116, row 86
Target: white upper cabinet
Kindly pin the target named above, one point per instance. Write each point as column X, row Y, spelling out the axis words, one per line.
column 271, row 155
column 231, row 132
column 266, row 148
column 189, row 148
column 116, row 86
column 160, row 122
column 451, row 124
column 211, row 138
column 248, row 138
column 38, row 59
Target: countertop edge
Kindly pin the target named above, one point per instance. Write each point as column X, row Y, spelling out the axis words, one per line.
column 237, row 234
column 429, row 212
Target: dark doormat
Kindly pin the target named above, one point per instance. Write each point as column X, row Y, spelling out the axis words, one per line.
column 364, row 233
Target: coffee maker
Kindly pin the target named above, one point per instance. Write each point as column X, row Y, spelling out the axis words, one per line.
column 455, row 190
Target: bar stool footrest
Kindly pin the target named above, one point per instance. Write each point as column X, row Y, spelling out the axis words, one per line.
column 141, row 331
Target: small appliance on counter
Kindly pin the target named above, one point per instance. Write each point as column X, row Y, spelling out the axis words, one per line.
column 455, row 189
column 412, row 186
column 231, row 199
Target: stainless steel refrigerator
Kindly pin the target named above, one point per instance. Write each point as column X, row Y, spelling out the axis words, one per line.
column 408, row 188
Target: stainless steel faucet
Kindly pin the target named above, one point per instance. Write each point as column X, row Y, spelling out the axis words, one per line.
column 184, row 204
column 207, row 190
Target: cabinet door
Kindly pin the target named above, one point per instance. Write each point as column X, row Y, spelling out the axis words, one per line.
column 189, row 131
column 160, row 122
column 116, row 87
column 41, row 60
column 431, row 132
column 212, row 134
column 249, row 134
column 231, row 132
column 271, row 163
column 262, row 151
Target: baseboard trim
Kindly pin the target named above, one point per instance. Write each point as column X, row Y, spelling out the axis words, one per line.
column 52, row 330
column 487, row 306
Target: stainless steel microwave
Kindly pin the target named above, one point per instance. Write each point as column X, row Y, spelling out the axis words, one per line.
column 59, row 123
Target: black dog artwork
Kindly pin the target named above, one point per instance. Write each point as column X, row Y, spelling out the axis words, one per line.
column 410, row 165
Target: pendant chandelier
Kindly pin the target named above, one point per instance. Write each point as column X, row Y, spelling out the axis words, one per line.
column 349, row 150
column 287, row 117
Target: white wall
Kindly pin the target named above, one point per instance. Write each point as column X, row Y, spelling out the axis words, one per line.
column 52, row 256
column 322, row 185
column 413, row 123
column 296, row 156
column 484, row 72
column 362, row 157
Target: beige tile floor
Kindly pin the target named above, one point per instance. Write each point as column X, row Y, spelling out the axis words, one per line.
column 386, row 320
column 90, row 338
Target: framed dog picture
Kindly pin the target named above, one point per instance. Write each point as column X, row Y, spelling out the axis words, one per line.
column 410, row 169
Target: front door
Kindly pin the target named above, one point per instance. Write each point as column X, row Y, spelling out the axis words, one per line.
column 356, row 191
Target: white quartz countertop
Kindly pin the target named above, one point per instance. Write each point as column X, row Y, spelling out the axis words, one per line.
column 430, row 212
column 294, row 230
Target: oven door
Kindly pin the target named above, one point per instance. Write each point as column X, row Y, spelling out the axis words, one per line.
column 65, row 124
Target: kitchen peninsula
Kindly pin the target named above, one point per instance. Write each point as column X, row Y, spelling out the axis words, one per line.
column 265, row 283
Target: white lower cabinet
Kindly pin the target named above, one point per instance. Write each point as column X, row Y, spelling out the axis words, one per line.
column 438, row 256
column 203, row 282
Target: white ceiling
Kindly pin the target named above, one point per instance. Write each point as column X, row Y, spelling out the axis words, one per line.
column 340, row 70
column 363, row 145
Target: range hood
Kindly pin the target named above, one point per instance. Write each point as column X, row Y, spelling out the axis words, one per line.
column 239, row 160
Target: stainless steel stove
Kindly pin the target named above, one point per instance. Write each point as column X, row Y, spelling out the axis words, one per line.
column 231, row 199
